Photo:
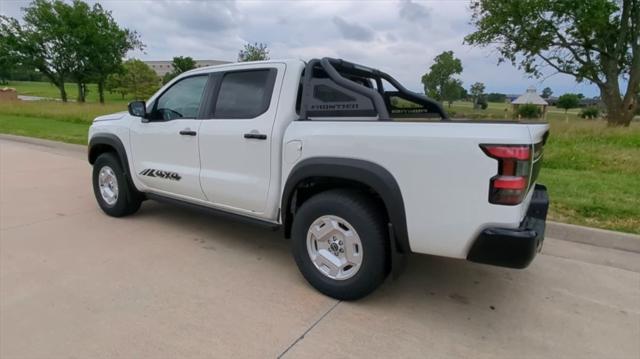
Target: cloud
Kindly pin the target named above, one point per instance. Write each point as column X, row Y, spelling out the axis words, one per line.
column 392, row 31
column 353, row 31
column 414, row 12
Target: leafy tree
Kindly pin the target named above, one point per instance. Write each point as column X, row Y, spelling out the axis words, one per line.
column 6, row 66
column 253, row 52
column 108, row 44
column 547, row 92
column 567, row 102
column 180, row 64
column 496, row 97
column 65, row 41
column 592, row 40
column 136, row 79
column 438, row 81
column 477, row 91
column 452, row 91
column 42, row 41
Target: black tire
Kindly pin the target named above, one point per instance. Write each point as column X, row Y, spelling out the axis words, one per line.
column 129, row 199
column 365, row 216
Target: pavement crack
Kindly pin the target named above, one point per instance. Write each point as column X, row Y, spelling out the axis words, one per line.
column 308, row 330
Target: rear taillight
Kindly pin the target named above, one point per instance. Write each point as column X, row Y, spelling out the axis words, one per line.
column 509, row 186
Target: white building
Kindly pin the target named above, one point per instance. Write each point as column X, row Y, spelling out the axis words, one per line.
column 531, row 97
column 163, row 67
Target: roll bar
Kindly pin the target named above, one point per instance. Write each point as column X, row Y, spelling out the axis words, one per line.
column 329, row 66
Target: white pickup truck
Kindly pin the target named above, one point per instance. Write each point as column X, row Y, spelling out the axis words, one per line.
column 356, row 170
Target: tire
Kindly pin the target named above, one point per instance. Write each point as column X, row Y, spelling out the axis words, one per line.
column 361, row 215
column 127, row 199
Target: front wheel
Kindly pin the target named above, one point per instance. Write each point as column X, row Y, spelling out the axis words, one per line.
column 112, row 189
column 340, row 244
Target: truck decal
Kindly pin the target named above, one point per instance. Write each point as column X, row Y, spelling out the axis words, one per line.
column 150, row 172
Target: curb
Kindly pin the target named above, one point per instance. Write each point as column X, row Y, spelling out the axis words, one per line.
column 593, row 236
column 567, row 232
column 44, row 143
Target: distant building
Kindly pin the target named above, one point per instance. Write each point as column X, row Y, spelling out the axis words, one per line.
column 163, row 67
column 530, row 97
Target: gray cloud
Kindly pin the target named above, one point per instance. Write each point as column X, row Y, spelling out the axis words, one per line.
column 414, row 12
column 353, row 31
column 218, row 29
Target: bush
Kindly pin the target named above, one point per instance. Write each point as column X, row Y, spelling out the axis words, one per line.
column 590, row 112
column 529, row 111
column 482, row 102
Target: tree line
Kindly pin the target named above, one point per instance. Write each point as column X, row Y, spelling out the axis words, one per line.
column 74, row 42
column 67, row 42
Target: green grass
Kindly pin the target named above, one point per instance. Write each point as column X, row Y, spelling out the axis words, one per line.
column 592, row 171
column 593, row 174
column 51, row 129
column 501, row 111
column 45, row 89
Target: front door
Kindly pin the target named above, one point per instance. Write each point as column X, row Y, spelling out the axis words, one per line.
column 165, row 145
column 235, row 139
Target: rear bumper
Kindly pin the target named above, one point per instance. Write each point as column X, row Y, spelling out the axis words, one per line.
column 514, row 247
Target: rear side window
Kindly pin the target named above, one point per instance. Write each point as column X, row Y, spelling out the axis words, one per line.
column 244, row 94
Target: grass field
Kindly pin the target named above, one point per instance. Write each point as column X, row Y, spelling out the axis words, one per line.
column 592, row 171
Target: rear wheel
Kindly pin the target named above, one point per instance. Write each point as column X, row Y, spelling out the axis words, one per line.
column 340, row 244
column 112, row 189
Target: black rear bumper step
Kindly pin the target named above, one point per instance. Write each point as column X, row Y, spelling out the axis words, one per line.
column 514, row 247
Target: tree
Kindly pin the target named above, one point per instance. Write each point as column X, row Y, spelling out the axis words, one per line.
column 452, row 91
column 42, row 41
column 108, row 45
column 253, row 52
column 6, row 66
column 477, row 91
column 68, row 41
column 546, row 93
column 592, row 40
column 136, row 79
column 567, row 102
column 180, row 64
column 439, row 79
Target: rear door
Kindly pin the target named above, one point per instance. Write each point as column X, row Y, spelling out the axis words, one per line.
column 235, row 139
column 165, row 145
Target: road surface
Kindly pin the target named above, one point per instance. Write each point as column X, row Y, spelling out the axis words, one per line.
column 170, row 283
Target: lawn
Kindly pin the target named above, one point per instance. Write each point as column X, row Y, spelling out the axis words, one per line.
column 592, row 171
column 501, row 111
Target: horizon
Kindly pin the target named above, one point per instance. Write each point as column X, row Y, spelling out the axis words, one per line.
column 401, row 27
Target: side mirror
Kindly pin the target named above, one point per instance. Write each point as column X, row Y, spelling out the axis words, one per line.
column 138, row 109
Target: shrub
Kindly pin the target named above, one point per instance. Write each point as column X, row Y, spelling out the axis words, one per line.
column 590, row 112
column 529, row 111
column 482, row 102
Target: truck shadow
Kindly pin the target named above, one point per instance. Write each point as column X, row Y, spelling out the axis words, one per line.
column 427, row 280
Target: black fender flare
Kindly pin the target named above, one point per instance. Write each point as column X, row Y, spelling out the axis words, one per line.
column 111, row 140
column 368, row 173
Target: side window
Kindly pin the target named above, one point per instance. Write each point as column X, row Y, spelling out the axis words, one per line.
column 244, row 94
column 182, row 100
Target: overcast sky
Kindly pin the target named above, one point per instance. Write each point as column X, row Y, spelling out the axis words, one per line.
column 399, row 37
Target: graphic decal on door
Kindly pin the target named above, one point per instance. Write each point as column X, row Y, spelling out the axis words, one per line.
column 161, row 174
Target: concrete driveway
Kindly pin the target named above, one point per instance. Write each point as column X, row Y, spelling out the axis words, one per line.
column 170, row 283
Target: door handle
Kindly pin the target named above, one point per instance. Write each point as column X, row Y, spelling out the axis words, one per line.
column 255, row 136
column 188, row 133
